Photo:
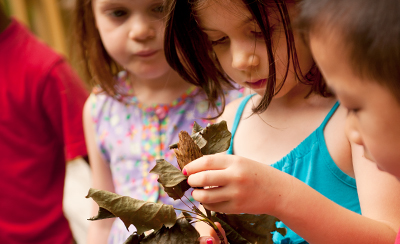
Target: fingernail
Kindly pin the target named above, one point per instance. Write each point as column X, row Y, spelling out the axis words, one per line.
column 209, row 241
column 184, row 172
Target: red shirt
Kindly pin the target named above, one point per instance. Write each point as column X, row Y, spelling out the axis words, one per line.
column 41, row 103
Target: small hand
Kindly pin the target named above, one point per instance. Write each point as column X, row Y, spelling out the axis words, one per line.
column 236, row 184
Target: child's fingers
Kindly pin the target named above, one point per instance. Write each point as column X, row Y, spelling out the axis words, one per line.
column 223, row 207
column 209, row 178
column 208, row 162
column 211, row 195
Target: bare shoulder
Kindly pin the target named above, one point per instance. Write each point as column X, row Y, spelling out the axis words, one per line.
column 87, row 108
column 230, row 112
column 337, row 143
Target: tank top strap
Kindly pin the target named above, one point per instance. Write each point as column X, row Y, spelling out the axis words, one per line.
column 236, row 121
column 328, row 116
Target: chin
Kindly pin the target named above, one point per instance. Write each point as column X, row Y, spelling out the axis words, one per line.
column 260, row 92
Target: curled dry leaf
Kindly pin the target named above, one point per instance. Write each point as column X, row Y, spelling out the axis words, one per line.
column 252, row 227
column 215, row 138
column 134, row 239
column 182, row 232
column 143, row 215
column 186, row 150
column 174, row 182
column 218, row 138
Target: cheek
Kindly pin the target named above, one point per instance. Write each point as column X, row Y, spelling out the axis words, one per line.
column 373, row 137
column 225, row 60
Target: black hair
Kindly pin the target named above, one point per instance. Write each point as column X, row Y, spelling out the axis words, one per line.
column 369, row 31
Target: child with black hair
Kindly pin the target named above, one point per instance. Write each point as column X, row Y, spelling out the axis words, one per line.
column 356, row 45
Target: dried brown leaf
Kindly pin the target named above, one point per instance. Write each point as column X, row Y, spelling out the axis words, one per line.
column 253, row 228
column 174, row 182
column 182, row 232
column 143, row 215
column 187, row 150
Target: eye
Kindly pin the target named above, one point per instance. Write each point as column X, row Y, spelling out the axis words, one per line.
column 257, row 34
column 352, row 111
column 158, row 9
column 118, row 13
column 219, row 41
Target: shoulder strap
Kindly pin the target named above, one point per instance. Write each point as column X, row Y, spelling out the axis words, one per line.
column 329, row 115
column 238, row 116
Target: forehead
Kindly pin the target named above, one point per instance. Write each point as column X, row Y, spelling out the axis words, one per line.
column 331, row 57
column 221, row 12
column 140, row 2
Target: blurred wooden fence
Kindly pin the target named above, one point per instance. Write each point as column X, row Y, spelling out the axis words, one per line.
column 48, row 19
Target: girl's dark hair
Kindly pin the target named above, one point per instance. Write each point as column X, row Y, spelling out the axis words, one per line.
column 89, row 55
column 189, row 52
column 368, row 30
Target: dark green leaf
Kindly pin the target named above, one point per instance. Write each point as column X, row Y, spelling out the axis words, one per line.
column 143, row 215
column 254, row 228
column 182, row 232
column 174, row 182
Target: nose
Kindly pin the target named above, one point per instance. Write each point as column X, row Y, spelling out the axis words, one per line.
column 352, row 132
column 142, row 29
column 244, row 57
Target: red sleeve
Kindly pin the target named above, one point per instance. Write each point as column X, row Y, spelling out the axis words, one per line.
column 63, row 99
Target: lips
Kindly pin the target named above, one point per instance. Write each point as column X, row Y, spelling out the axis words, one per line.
column 147, row 53
column 259, row 84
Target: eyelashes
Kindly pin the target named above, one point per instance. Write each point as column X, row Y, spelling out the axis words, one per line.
column 219, row 41
column 256, row 34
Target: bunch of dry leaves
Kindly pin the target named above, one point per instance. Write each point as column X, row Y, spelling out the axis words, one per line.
column 168, row 228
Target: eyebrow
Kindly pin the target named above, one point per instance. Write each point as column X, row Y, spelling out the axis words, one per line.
column 245, row 22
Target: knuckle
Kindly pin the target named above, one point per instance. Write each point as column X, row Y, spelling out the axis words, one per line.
column 207, row 162
column 201, row 196
column 239, row 177
column 203, row 178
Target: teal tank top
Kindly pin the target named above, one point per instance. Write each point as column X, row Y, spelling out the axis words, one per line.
column 311, row 163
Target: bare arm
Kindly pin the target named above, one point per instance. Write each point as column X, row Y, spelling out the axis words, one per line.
column 101, row 179
column 301, row 208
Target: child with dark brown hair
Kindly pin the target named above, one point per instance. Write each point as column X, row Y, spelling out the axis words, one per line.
column 139, row 104
column 289, row 155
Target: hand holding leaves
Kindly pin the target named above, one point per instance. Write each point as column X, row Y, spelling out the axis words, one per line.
column 241, row 228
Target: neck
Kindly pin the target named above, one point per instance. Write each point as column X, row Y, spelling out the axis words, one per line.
column 163, row 90
column 4, row 20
